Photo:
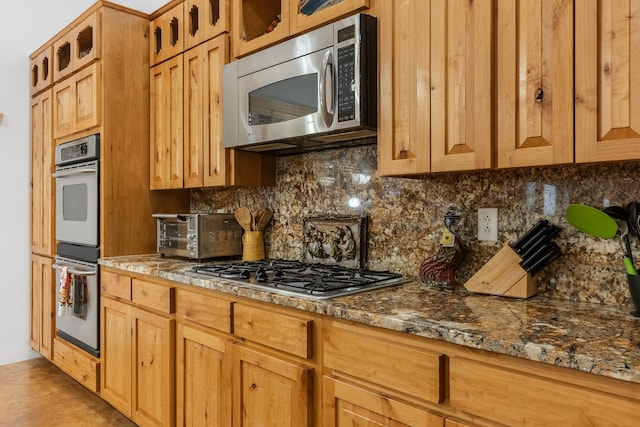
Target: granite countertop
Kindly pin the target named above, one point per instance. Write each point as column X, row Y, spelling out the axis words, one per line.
column 593, row 338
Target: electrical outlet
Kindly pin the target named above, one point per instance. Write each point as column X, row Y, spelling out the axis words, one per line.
column 488, row 224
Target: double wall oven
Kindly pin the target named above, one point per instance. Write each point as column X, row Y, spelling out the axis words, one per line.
column 77, row 178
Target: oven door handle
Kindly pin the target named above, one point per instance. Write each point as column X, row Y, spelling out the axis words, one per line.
column 61, row 174
column 57, row 266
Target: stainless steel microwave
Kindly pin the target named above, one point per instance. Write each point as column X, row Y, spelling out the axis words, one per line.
column 315, row 91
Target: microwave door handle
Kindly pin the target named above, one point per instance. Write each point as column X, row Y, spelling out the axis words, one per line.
column 62, row 174
column 327, row 87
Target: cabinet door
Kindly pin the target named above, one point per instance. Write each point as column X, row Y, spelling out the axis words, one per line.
column 42, row 306
column 153, row 401
column 194, row 117
column 115, row 344
column 270, row 392
column 217, row 19
column 87, row 38
column 215, row 53
column 203, row 378
column 63, row 104
column 346, row 405
column 166, row 121
column 535, row 82
column 404, row 134
column 42, row 159
column 63, row 56
column 41, row 70
column 87, row 98
column 258, row 24
column 461, row 92
column 166, row 35
column 301, row 21
column 607, row 99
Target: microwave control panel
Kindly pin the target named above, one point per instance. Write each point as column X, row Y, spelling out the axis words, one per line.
column 346, row 82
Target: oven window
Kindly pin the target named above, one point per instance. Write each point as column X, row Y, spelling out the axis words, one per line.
column 75, row 202
column 284, row 100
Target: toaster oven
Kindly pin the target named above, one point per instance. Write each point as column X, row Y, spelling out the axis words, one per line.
column 198, row 236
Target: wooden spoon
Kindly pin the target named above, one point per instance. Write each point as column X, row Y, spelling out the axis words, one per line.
column 244, row 218
column 256, row 218
column 264, row 219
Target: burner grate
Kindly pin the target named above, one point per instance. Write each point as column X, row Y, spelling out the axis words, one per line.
column 298, row 278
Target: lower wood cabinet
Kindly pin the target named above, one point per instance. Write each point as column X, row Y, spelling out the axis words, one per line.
column 245, row 363
column 203, row 377
column 520, row 398
column 270, row 391
column 347, row 405
column 138, row 353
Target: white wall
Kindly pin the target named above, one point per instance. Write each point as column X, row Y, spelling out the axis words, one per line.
column 27, row 24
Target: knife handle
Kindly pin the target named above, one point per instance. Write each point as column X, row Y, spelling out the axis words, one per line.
column 544, row 261
column 526, row 236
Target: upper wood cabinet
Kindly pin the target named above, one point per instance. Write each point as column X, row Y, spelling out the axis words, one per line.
column 186, row 125
column 607, row 98
column 78, row 47
column 42, row 188
column 41, row 64
column 261, row 23
column 204, row 20
column 78, row 102
column 435, row 86
column 303, row 18
column 166, row 123
column 166, row 35
column 535, row 82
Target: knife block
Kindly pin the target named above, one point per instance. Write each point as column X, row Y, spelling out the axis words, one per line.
column 502, row 275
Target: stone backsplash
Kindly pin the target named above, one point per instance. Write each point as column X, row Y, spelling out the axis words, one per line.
column 406, row 215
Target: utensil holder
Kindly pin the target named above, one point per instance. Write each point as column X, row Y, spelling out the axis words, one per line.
column 634, row 289
column 502, row 275
column 252, row 246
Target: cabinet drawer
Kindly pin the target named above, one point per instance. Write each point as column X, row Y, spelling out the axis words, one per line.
column 282, row 332
column 115, row 285
column 79, row 365
column 205, row 310
column 153, row 295
column 395, row 366
column 516, row 398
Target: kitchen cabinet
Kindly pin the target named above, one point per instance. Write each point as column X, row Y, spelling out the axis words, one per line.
column 138, row 348
column 203, row 377
column 42, row 189
column 435, row 86
column 270, row 391
column 167, row 124
column 524, row 398
column 203, row 361
column 273, row 381
column 43, row 306
column 534, row 83
column 78, row 46
column 607, row 83
column 261, row 23
column 41, row 64
column 77, row 101
column 186, row 125
column 166, row 35
column 347, row 405
column 204, row 20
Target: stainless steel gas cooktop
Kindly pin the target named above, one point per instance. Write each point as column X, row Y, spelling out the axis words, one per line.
column 306, row 280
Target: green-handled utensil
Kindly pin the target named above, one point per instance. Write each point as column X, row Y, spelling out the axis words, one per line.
column 591, row 221
column 597, row 223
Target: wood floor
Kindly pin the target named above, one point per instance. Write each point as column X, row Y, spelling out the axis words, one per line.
column 36, row 393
